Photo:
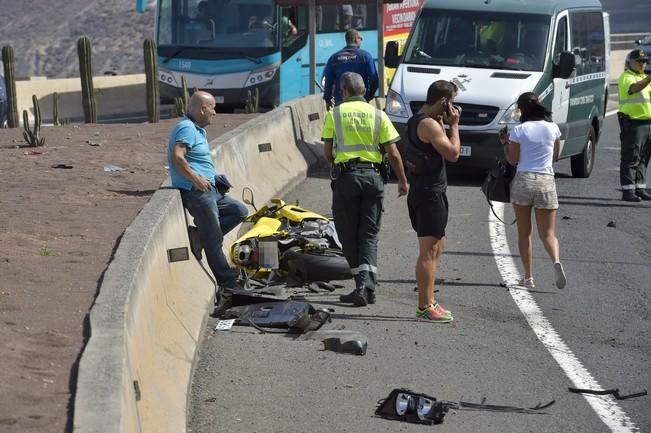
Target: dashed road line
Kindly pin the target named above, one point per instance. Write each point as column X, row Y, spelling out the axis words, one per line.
column 605, row 406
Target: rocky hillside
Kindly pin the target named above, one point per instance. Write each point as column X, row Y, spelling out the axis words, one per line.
column 44, row 34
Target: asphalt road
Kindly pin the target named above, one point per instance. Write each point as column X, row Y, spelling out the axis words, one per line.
column 251, row 382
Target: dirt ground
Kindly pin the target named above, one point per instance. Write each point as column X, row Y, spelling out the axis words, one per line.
column 63, row 208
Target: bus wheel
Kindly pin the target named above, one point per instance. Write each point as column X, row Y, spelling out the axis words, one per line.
column 583, row 163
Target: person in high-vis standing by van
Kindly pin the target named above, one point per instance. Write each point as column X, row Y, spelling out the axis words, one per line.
column 635, row 127
column 355, row 136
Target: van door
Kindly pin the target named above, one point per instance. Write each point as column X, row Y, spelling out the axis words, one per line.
column 561, row 86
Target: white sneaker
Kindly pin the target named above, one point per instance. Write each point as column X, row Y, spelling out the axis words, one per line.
column 560, row 275
column 528, row 283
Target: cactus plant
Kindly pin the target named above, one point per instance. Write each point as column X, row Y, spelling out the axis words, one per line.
column 56, row 100
column 33, row 136
column 179, row 106
column 9, row 61
column 252, row 101
column 184, row 92
column 153, row 90
column 84, row 52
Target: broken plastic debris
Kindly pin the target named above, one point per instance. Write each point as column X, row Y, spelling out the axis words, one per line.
column 224, row 325
column 62, row 166
column 340, row 341
column 113, row 168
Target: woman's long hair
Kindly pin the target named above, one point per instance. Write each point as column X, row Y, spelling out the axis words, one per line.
column 531, row 108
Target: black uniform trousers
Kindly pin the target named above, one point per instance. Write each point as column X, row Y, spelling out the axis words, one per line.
column 357, row 199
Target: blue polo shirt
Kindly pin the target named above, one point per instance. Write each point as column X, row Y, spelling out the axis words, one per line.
column 198, row 155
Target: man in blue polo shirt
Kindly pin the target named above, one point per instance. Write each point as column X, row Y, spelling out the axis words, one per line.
column 193, row 172
column 350, row 59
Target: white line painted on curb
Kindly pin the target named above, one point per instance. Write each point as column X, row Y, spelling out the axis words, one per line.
column 605, row 406
column 610, row 113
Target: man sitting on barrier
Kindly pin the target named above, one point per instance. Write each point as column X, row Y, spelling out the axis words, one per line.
column 193, row 172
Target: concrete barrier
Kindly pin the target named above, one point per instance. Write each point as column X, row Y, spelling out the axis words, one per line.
column 119, row 95
column 147, row 321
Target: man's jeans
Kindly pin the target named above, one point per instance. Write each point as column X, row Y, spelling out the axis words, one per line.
column 215, row 215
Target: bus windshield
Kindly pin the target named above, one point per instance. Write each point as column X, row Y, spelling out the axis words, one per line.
column 223, row 26
column 479, row 39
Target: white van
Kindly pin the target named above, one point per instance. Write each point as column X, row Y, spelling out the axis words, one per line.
column 494, row 50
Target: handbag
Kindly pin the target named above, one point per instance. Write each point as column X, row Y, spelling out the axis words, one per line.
column 497, row 185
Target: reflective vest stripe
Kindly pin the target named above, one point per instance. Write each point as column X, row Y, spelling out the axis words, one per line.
column 339, row 129
column 358, row 148
column 377, row 126
column 638, row 100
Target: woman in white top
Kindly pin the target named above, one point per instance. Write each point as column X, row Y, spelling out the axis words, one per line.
column 534, row 146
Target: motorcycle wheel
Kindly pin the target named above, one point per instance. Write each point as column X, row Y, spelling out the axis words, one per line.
column 315, row 265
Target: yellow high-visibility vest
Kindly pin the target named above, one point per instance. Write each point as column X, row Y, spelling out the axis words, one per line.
column 357, row 132
column 638, row 105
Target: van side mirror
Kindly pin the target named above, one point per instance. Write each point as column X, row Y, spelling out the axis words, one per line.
column 566, row 65
column 391, row 57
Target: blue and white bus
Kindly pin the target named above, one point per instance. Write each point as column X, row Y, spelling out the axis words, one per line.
column 237, row 48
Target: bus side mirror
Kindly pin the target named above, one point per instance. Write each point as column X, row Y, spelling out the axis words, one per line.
column 638, row 42
column 566, row 65
column 391, row 57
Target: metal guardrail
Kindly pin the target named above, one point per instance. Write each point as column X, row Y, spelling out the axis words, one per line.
column 624, row 41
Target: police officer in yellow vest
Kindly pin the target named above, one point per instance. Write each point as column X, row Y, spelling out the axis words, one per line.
column 635, row 127
column 356, row 135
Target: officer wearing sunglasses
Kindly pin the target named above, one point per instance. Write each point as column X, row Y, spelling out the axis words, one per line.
column 635, row 126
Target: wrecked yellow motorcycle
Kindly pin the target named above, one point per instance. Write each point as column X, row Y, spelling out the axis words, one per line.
column 282, row 241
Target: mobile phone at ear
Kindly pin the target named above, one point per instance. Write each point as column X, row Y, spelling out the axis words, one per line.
column 445, row 105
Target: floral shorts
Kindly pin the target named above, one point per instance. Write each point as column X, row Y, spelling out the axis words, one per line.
column 534, row 189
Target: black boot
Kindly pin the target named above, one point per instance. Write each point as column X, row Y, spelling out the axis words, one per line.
column 350, row 298
column 643, row 194
column 629, row 195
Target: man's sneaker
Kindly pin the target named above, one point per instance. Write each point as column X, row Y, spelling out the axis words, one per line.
column 560, row 275
column 434, row 313
column 528, row 283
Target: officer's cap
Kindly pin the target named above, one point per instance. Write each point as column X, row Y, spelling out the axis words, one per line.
column 638, row 54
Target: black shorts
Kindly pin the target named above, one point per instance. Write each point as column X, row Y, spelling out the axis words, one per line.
column 428, row 212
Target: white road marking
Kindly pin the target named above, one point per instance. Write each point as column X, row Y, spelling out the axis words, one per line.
column 610, row 113
column 605, row 406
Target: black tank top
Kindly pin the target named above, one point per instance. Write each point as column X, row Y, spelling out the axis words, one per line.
column 436, row 179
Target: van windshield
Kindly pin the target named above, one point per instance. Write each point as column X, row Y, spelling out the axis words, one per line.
column 479, row 39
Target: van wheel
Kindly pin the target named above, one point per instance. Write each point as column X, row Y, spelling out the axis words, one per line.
column 583, row 163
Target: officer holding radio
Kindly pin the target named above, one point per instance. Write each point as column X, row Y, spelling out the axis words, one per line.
column 428, row 148
column 635, row 127
column 355, row 136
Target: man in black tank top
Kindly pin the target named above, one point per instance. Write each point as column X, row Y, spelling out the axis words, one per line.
column 427, row 201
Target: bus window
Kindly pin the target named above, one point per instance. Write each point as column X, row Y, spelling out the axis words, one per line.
column 339, row 18
column 217, row 23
